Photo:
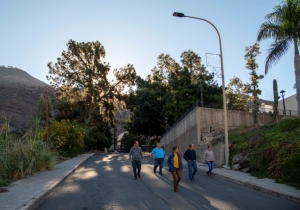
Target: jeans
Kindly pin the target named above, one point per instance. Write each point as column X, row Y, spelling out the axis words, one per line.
column 136, row 164
column 192, row 165
column 158, row 162
column 210, row 166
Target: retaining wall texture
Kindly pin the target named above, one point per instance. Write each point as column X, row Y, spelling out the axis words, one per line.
column 201, row 125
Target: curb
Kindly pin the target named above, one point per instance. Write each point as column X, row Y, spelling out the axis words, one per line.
column 256, row 186
column 34, row 202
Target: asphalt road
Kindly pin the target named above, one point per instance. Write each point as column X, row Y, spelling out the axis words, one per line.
column 106, row 182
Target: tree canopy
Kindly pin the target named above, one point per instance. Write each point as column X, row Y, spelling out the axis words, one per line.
column 283, row 26
column 169, row 91
column 81, row 74
column 84, row 92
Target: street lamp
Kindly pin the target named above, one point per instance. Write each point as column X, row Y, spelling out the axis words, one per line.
column 282, row 94
column 166, row 121
column 201, row 90
column 178, row 14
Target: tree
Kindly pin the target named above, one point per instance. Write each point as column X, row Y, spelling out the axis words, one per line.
column 40, row 112
column 250, row 57
column 128, row 139
column 169, row 91
column 192, row 62
column 81, row 73
column 283, row 26
column 235, row 95
column 146, row 105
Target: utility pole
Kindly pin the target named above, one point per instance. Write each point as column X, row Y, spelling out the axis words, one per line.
column 47, row 116
column 201, row 92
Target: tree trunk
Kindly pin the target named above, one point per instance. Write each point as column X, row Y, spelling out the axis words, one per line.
column 297, row 75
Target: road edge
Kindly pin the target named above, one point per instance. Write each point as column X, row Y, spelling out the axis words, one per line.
column 255, row 186
column 34, row 202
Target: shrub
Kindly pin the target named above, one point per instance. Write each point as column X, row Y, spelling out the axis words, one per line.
column 23, row 156
column 289, row 124
column 3, row 183
column 276, row 154
column 67, row 136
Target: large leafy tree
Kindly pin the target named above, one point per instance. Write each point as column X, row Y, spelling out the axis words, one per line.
column 283, row 25
column 146, row 105
column 169, row 91
column 81, row 73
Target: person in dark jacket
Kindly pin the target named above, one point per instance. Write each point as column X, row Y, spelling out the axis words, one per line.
column 175, row 167
column 190, row 157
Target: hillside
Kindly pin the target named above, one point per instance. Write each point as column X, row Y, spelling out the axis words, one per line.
column 19, row 96
column 271, row 151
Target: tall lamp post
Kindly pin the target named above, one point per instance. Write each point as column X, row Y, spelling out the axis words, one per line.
column 178, row 14
column 282, row 94
column 201, row 91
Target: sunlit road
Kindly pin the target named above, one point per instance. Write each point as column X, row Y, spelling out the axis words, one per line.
column 106, row 182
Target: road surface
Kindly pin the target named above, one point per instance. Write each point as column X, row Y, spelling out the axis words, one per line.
column 106, row 182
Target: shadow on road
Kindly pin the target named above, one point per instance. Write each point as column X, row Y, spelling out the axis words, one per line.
column 105, row 181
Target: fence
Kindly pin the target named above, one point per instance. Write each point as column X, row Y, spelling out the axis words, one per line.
column 288, row 112
column 183, row 116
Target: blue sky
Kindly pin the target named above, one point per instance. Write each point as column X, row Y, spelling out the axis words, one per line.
column 33, row 33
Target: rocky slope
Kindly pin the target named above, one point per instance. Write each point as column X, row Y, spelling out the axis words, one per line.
column 19, row 96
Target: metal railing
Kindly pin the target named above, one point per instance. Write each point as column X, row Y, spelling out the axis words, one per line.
column 280, row 111
column 183, row 116
column 287, row 112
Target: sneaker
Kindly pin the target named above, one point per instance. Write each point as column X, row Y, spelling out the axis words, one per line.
column 139, row 176
column 154, row 171
column 160, row 173
column 135, row 178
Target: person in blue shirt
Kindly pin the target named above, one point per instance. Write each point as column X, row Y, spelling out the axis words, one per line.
column 158, row 156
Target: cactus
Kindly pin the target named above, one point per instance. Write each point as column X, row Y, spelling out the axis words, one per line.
column 275, row 92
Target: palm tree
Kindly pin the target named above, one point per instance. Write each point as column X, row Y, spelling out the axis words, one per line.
column 283, row 25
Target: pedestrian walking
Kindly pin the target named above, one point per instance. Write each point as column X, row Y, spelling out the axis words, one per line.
column 136, row 156
column 175, row 167
column 209, row 158
column 190, row 157
column 158, row 156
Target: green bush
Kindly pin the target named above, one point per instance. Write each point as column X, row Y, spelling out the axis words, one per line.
column 3, row 183
column 67, row 137
column 276, row 154
column 289, row 125
column 23, row 156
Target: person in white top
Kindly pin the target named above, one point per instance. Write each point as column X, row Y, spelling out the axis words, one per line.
column 209, row 158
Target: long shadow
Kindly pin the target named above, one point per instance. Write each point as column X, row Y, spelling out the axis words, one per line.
column 105, row 181
column 222, row 194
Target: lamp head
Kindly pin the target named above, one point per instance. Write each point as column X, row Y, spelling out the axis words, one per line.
column 178, row 14
column 282, row 92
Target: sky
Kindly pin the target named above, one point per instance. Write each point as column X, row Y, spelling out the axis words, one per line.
column 34, row 33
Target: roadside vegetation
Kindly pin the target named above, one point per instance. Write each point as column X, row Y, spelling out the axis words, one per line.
column 275, row 153
column 22, row 154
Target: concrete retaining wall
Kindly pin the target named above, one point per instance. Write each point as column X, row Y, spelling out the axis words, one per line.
column 202, row 125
